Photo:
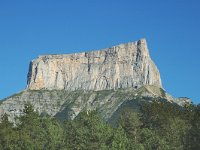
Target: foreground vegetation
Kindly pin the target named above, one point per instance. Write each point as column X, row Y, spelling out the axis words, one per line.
column 159, row 126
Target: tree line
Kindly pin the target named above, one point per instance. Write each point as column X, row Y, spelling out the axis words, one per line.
column 158, row 126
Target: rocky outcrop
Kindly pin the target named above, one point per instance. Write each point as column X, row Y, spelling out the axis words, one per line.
column 122, row 66
column 107, row 81
column 68, row 104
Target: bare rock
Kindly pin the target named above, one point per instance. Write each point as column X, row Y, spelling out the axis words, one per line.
column 122, row 66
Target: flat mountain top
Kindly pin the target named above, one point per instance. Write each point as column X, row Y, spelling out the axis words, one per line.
column 121, row 66
column 104, row 80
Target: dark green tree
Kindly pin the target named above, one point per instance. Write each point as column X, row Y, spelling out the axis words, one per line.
column 119, row 139
column 152, row 141
column 175, row 132
column 193, row 136
column 87, row 131
column 37, row 132
column 130, row 122
column 8, row 135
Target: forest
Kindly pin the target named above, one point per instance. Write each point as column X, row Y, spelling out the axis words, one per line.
column 158, row 126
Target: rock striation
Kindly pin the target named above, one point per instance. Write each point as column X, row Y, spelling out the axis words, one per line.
column 64, row 104
column 106, row 80
column 121, row 66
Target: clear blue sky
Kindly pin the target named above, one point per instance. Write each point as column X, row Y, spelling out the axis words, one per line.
column 33, row 27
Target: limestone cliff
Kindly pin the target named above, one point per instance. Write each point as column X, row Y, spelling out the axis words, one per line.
column 122, row 66
column 106, row 80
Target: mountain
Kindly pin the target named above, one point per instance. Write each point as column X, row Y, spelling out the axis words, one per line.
column 122, row 66
column 104, row 80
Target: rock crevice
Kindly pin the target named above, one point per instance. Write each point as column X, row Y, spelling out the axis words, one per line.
column 121, row 66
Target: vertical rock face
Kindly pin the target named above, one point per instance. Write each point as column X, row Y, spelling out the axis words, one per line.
column 122, row 66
